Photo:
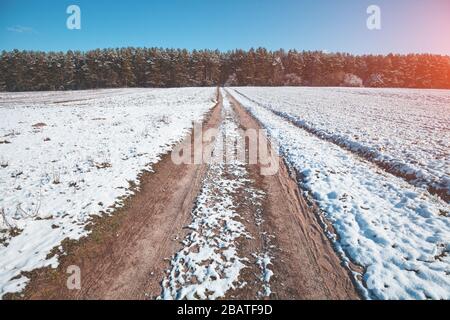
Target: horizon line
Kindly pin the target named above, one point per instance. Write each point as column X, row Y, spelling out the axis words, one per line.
column 229, row 50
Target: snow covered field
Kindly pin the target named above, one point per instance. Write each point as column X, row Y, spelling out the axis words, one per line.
column 375, row 161
column 66, row 156
column 407, row 132
column 397, row 232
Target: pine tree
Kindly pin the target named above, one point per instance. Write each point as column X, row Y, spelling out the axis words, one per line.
column 3, row 70
column 126, row 71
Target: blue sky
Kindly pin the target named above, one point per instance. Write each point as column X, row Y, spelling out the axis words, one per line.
column 331, row 25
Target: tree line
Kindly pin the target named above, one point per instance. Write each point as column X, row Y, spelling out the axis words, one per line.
column 157, row 67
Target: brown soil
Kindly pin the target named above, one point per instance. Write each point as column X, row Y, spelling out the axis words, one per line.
column 126, row 254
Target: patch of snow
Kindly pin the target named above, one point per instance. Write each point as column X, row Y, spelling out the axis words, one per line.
column 264, row 261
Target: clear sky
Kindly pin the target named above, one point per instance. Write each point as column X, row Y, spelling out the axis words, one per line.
column 408, row 26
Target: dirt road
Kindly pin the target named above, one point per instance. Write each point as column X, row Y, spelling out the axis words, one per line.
column 217, row 230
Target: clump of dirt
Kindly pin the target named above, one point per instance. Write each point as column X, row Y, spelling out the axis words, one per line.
column 39, row 125
column 7, row 235
column 103, row 165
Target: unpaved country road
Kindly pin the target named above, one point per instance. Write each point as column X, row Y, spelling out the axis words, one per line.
column 204, row 231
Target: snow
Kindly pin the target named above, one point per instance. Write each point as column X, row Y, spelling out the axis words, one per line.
column 404, row 131
column 69, row 156
column 398, row 233
column 264, row 261
column 209, row 264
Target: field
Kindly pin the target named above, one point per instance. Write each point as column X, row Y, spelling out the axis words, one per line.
column 359, row 207
column 68, row 156
column 404, row 131
column 390, row 225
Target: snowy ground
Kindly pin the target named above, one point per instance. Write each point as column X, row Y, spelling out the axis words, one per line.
column 398, row 233
column 368, row 158
column 66, row 156
column 209, row 265
column 406, row 132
